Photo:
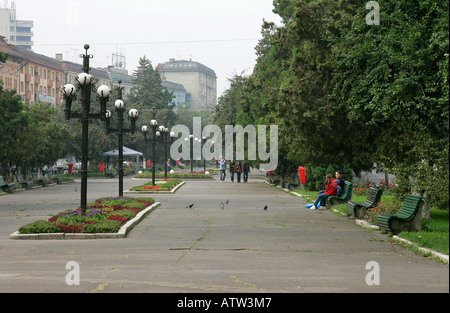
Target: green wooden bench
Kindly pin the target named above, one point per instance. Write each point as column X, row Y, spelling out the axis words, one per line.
column 408, row 218
column 54, row 179
column 343, row 198
column 25, row 184
column 7, row 187
column 294, row 182
column 43, row 181
column 359, row 209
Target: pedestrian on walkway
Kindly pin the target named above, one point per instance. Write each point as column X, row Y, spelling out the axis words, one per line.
column 330, row 190
column 223, row 168
column 232, row 170
column 246, row 170
column 238, row 171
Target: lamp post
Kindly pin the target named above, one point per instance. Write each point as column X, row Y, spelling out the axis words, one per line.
column 120, row 130
column 204, row 160
column 163, row 133
column 153, row 124
column 191, row 148
column 85, row 83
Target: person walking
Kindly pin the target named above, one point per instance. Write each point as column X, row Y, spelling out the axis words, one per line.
column 232, row 170
column 223, row 168
column 246, row 170
column 238, row 171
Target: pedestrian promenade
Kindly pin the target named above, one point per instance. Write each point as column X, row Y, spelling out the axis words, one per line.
column 238, row 248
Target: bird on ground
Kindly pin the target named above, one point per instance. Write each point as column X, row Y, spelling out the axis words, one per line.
column 226, row 202
column 222, row 205
column 190, row 206
column 265, row 208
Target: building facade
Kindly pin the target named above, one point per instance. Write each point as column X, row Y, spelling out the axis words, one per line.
column 35, row 77
column 180, row 96
column 199, row 81
column 120, row 74
column 17, row 32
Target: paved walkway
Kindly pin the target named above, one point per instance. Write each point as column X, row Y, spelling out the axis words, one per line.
column 241, row 248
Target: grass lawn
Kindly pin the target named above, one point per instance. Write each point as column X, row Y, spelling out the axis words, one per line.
column 434, row 234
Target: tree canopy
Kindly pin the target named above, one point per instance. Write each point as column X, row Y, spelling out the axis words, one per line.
column 348, row 93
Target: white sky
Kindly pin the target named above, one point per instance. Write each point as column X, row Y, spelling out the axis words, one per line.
column 220, row 34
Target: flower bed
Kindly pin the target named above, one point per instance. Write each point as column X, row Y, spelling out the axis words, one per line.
column 193, row 175
column 105, row 215
column 160, row 185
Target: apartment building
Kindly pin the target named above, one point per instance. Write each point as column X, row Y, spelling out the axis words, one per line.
column 71, row 71
column 199, row 81
column 17, row 32
column 35, row 77
column 180, row 96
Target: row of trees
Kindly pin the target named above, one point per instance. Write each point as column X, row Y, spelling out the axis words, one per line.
column 345, row 92
column 29, row 136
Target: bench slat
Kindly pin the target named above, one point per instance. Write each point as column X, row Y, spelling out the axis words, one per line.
column 407, row 213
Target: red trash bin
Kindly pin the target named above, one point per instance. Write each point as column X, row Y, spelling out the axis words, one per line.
column 302, row 174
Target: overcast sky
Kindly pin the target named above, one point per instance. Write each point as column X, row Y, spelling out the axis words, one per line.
column 220, row 34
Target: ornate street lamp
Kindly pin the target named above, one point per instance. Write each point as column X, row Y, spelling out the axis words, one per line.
column 204, row 160
column 120, row 130
column 85, row 83
column 153, row 124
column 191, row 148
column 164, row 134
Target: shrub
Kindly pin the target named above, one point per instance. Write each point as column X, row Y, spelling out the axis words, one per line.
column 39, row 227
column 389, row 205
column 75, row 218
column 122, row 220
column 135, row 205
column 147, row 201
column 105, row 226
column 127, row 213
column 113, row 201
column 315, row 175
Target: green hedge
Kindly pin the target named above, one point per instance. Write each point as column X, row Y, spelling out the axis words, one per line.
column 106, row 226
column 135, row 205
column 39, row 227
column 315, row 175
column 128, row 214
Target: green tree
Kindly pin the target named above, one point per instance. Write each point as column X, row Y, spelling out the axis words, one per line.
column 13, row 122
column 392, row 82
column 149, row 93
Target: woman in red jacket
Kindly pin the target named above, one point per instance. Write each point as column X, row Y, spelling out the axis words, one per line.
column 330, row 190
